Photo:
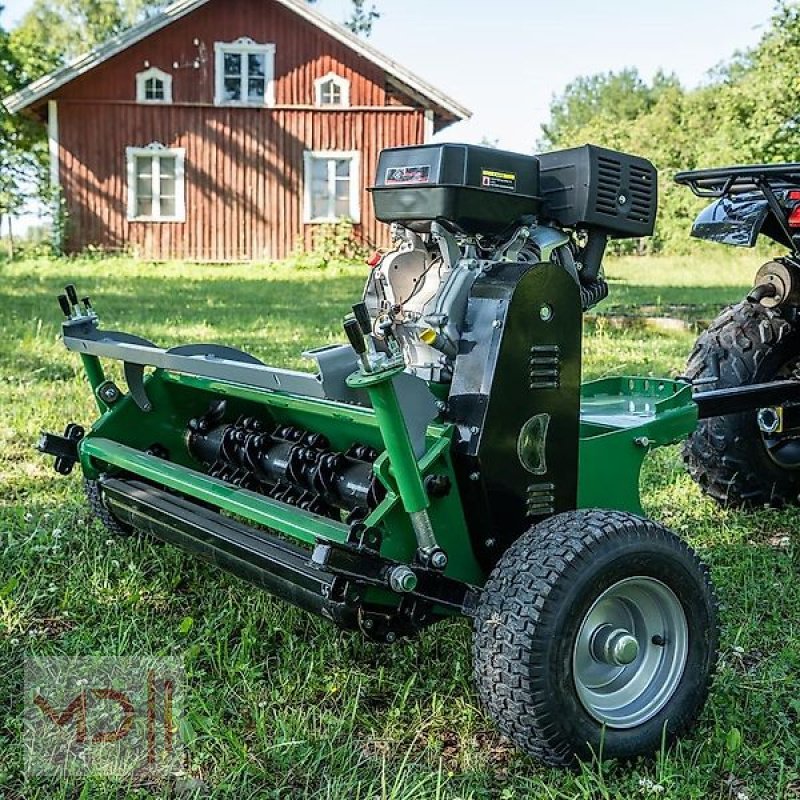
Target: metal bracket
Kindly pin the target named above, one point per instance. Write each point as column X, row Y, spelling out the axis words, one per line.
column 63, row 448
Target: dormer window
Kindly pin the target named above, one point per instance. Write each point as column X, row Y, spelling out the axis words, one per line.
column 245, row 73
column 154, row 86
column 333, row 91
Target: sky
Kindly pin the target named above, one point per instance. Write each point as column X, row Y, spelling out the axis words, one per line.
column 504, row 59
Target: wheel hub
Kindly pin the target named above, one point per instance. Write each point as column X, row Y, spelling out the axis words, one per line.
column 630, row 652
column 614, row 646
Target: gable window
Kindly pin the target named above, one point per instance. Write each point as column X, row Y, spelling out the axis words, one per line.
column 332, row 90
column 245, row 73
column 332, row 191
column 156, row 184
column 154, row 86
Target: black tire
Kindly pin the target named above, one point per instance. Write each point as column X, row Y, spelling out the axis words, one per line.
column 727, row 456
column 530, row 615
column 94, row 499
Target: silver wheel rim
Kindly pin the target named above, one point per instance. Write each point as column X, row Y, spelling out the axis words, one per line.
column 630, row 652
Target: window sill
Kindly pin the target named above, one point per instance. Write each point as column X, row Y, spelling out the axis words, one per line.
column 158, row 219
column 330, row 221
column 241, row 104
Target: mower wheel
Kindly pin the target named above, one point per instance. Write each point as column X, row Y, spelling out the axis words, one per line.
column 729, row 457
column 94, row 500
column 596, row 634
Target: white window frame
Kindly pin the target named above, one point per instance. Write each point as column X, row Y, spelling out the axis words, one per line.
column 243, row 47
column 342, row 83
column 309, row 156
column 141, row 85
column 156, row 151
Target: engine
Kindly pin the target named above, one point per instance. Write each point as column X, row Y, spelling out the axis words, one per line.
column 458, row 211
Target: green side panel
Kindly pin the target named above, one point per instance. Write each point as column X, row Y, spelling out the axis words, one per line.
column 621, row 420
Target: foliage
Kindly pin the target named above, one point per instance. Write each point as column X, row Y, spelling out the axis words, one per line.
column 21, row 143
column 53, row 32
column 334, row 244
column 747, row 111
column 362, row 17
column 281, row 704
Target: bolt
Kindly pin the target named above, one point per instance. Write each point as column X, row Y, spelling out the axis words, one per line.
column 369, row 624
column 546, row 313
column 391, row 637
column 623, row 199
column 474, row 476
column 441, row 405
column 490, row 543
column 402, row 579
column 658, row 641
column 439, row 559
column 642, row 441
column 497, row 324
column 474, row 430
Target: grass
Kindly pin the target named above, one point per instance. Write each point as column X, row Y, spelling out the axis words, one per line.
column 283, row 705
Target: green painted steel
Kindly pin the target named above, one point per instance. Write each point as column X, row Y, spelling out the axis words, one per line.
column 94, row 372
column 177, row 398
column 622, row 419
column 394, row 432
column 257, row 508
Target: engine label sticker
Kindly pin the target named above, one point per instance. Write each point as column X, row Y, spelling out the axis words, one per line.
column 417, row 174
column 499, row 180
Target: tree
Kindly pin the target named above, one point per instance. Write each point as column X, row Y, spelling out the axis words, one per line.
column 362, row 17
column 19, row 155
column 55, row 31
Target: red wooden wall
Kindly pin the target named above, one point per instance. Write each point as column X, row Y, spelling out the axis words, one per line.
column 244, row 166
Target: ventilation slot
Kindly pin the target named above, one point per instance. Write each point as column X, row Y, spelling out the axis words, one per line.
column 541, row 500
column 642, row 183
column 609, row 184
column 544, row 367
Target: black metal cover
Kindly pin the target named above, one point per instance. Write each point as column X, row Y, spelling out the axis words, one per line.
column 480, row 189
column 599, row 188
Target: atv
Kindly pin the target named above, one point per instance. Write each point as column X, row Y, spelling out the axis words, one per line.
column 751, row 457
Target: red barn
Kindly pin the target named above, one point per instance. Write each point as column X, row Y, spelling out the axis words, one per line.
column 226, row 130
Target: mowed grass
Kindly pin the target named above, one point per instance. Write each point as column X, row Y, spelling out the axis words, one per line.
column 283, row 705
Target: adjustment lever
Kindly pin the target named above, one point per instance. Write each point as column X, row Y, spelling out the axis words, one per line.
column 356, row 337
column 361, row 313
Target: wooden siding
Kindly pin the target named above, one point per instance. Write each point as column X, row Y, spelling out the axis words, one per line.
column 244, row 174
column 244, row 166
column 303, row 53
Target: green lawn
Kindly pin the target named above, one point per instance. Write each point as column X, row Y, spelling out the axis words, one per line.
column 283, row 705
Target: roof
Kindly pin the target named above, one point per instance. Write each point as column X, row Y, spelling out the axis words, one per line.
column 402, row 78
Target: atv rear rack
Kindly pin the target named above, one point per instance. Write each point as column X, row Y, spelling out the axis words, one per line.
column 722, row 181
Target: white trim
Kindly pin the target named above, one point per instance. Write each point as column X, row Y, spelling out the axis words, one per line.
column 344, row 88
column 243, row 47
column 49, row 83
column 53, row 145
column 309, row 156
column 141, row 86
column 430, row 125
column 156, row 150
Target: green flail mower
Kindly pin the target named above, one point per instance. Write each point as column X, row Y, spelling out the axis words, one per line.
column 446, row 460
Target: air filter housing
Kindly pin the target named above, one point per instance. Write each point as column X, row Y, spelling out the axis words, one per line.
column 597, row 188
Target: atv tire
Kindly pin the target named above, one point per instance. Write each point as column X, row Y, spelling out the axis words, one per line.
column 553, row 666
column 728, row 456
